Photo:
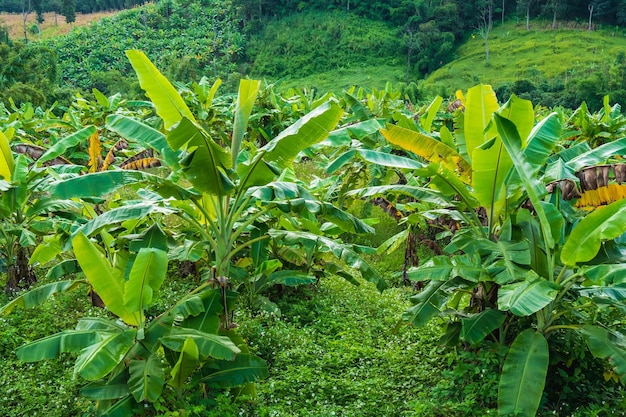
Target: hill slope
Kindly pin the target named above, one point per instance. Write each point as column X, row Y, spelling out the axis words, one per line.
column 558, row 61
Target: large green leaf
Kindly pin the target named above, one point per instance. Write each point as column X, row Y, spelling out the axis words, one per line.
column 542, row 141
column 584, row 241
column 146, row 378
column 527, row 297
column 281, row 151
column 109, row 390
column 419, row 193
column 145, row 278
column 532, row 186
column 607, row 345
column 7, row 163
column 521, row 113
column 523, row 375
column 188, row 362
column 389, row 160
column 208, row 320
column 121, row 214
column 490, row 166
column 427, row 304
column 97, row 360
column 52, row 346
column 59, row 148
column 606, row 274
column 136, row 131
column 474, row 329
column 426, row 120
column 480, row 104
column 429, row 148
column 209, row 345
column 443, row 268
column 598, row 155
column 103, row 279
column 205, row 164
column 38, row 295
column 99, row 184
column 248, row 91
column 169, row 105
column 243, row 369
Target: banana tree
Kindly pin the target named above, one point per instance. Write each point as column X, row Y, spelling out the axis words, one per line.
column 132, row 359
column 27, row 214
column 515, row 262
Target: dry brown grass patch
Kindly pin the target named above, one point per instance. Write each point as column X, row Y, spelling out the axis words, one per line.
column 52, row 25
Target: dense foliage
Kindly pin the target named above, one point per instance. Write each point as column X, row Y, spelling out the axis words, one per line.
column 501, row 222
column 199, row 40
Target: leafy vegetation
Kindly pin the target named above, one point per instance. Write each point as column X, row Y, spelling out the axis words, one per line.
column 252, row 253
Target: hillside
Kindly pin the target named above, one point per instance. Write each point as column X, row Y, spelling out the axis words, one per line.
column 540, row 59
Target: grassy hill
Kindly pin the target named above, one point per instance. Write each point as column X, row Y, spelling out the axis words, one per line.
column 554, row 59
column 334, row 51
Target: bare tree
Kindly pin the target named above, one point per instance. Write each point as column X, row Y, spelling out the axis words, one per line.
column 485, row 26
column 26, row 9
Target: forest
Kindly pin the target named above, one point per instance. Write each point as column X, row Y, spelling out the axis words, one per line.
column 189, row 229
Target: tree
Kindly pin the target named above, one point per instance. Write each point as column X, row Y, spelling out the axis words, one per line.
column 525, row 4
column 26, row 6
column 68, row 9
column 485, row 26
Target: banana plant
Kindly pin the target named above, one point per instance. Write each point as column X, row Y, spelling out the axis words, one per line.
column 27, row 215
column 231, row 195
column 132, row 359
column 522, row 259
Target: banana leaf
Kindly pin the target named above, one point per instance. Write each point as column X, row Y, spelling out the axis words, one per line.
column 103, row 183
column 97, row 360
column 523, row 375
column 341, row 251
column 474, row 329
column 428, row 303
column 205, row 163
column 426, row 120
column 109, row 390
column 389, row 160
column 599, row 154
column 248, row 91
column 169, row 105
column 527, row 297
column 7, row 162
column 37, row 296
column 281, row 151
column 121, row 214
column 584, row 242
column 607, row 345
column 51, row 347
column 209, row 345
column 245, row 368
column 147, row 378
column 59, row 148
column 480, row 105
column 145, row 279
column 524, row 168
column 137, row 131
column 208, row 320
column 188, row 362
column 429, row 148
column 100, row 274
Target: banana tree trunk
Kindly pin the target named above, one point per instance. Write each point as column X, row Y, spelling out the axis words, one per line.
column 20, row 275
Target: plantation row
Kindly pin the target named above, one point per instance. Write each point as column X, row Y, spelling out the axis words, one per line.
column 523, row 212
